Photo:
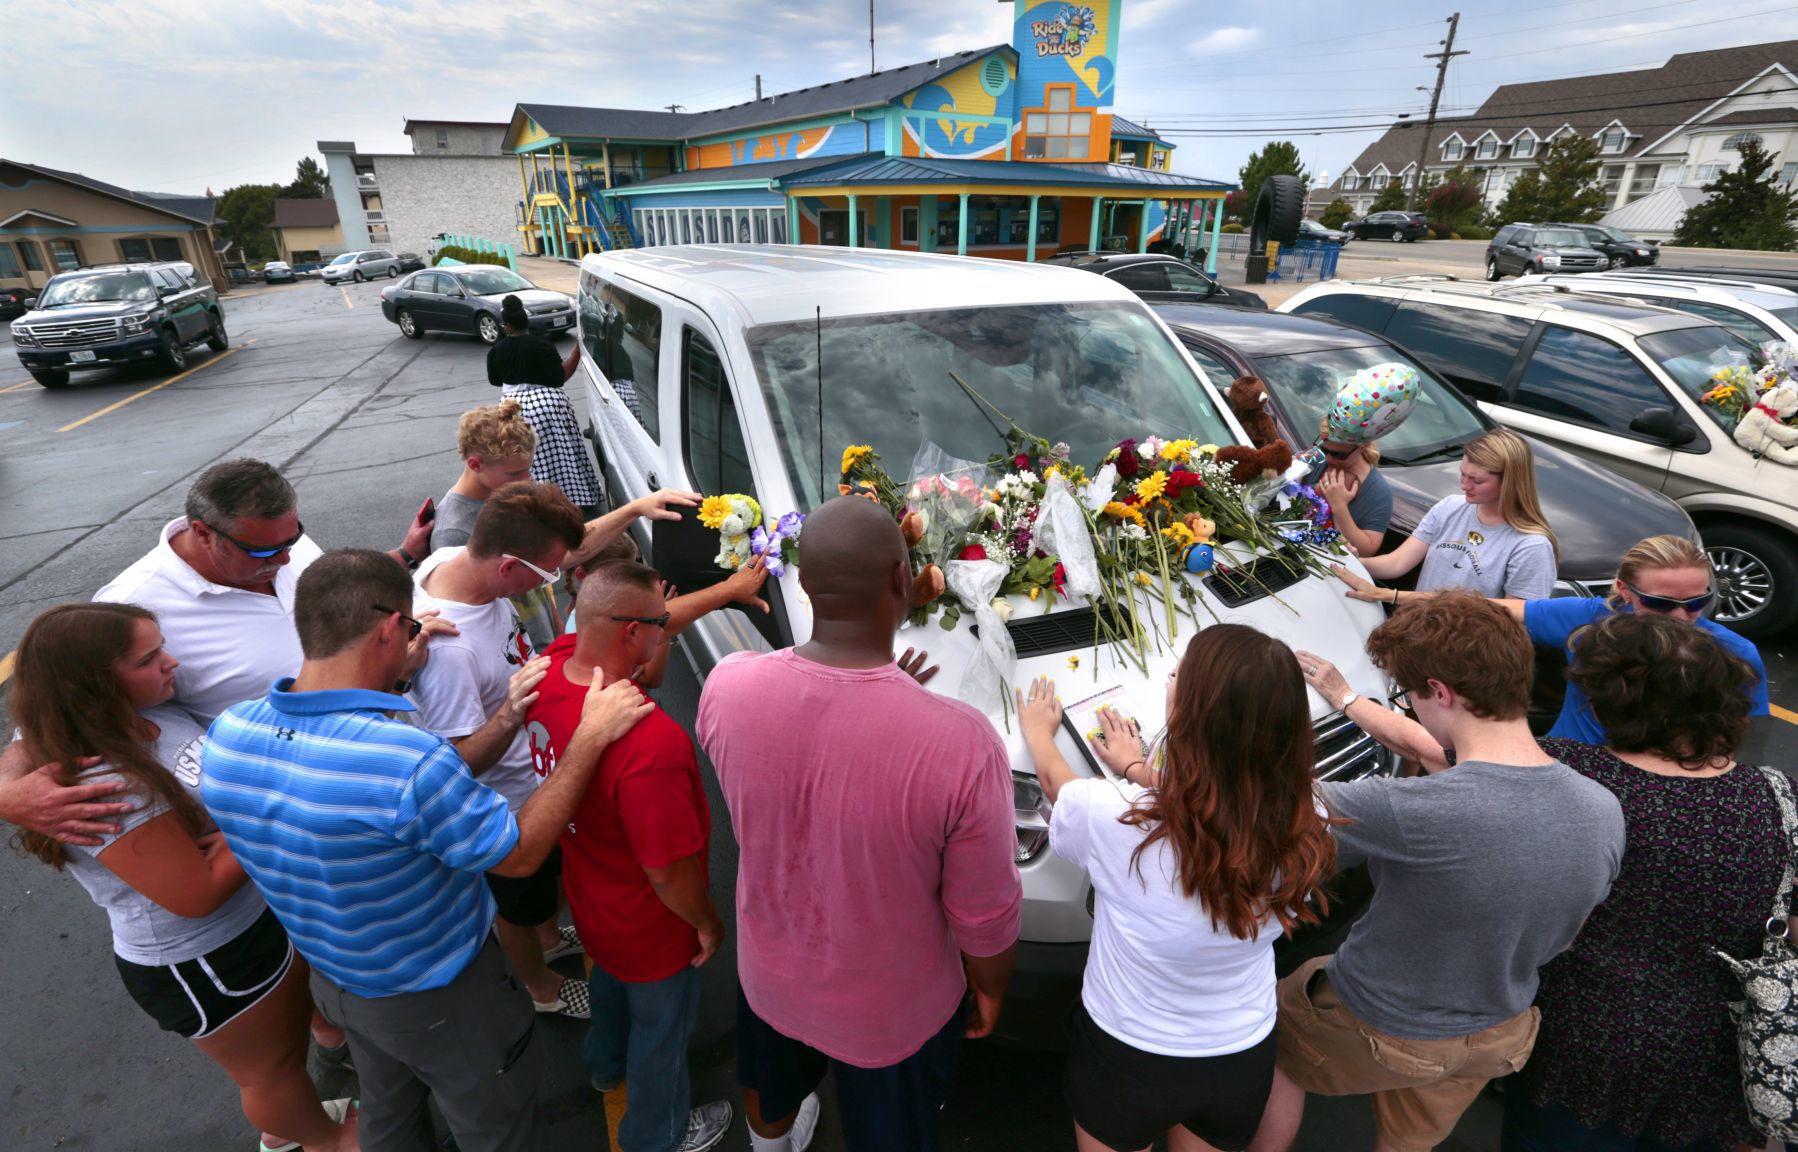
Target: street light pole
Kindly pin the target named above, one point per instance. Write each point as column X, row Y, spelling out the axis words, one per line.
column 1429, row 125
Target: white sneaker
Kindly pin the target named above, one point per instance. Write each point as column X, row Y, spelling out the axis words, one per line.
column 706, row 1126
column 798, row 1137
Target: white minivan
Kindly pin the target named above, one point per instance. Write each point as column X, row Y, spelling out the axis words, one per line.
column 705, row 368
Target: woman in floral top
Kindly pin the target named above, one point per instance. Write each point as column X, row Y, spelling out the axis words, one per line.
column 1637, row 1048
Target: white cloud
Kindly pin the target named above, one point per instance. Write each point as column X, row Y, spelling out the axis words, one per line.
column 1225, row 39
column 1142, row 13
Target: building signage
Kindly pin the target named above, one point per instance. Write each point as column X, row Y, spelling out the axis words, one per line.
column 1067, row 33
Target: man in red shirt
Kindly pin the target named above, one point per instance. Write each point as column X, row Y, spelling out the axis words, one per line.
column 634, row 866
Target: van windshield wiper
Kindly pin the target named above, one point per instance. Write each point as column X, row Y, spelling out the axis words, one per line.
column 1446, row 452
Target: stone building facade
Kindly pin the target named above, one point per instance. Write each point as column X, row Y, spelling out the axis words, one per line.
column 424, row 195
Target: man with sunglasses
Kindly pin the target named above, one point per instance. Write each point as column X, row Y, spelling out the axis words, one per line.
column 478, row 684
column 635, row 865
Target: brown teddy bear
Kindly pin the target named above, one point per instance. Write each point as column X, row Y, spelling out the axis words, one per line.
column 1248, row 399
column 1262, row 463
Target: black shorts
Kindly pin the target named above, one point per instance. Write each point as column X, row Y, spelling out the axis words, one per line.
column 528, row 901
column 890, row 1109
column 1127, row 1098
column 196, row 998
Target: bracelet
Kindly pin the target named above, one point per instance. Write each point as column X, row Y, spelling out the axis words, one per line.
column 1126, row 772
column 1395, row 597
column 406, row 557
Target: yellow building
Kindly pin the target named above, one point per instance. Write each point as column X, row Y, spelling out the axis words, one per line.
column 307, row 231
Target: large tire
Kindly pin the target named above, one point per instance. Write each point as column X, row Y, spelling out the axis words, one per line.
column 1277, row 212
column 1492, row 272
column 173, row 356
column 408, row 325
column 51, row 377
column 1756, row 575
column 486, row 326
column 217, row 338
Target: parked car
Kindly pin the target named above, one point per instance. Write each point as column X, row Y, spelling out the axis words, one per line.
column 1620, row 249
column 1156, row 277
column 359, row 266
column 1748, row 274
column 12, row 302
column 278, row 272
column 411, row 262
column 1755, row 312
column 114, row 315
column 1519, row 249
column 1312, row 230
column 727, row 360
column 1618, row 382
column 467, row 298
column 1406, row 226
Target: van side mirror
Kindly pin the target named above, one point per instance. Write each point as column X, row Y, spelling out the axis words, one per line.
column 1665, row 425
column 31, row 301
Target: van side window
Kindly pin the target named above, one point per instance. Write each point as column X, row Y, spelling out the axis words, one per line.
column 631, row 353
column 717, row 458
column 1142, row 277
column 1741, row 323
column 1368, row 313
column 1474, row 349
column 1580, row 377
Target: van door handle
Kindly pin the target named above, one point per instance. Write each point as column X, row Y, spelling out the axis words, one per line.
column 653, row 482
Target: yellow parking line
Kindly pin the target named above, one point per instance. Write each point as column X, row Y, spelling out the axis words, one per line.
column 117, row 404
column 16, row 387
column 1786, row 714
column 347, row 302
column 6, row 663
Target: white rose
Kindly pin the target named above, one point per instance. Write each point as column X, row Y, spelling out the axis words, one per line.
column 1002, row 609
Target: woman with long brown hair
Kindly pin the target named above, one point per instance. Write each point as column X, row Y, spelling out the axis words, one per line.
column 196, row 946
column 1198, row 861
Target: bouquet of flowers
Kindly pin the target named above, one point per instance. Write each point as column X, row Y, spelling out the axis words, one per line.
column 1733, row 391
column 742, row 536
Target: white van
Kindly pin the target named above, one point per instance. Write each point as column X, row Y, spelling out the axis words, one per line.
column 703, row 371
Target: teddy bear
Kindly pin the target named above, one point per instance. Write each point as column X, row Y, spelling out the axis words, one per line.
column 1264, row 463
column 1763, row 428
column 1248, row 399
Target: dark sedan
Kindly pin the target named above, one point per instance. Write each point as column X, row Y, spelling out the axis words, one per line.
column 1596, row 514
column 1620, row 249
column 411, row 262
column 1405, row 226
column 1160, row 278
column 12, row 302
column 467, row 297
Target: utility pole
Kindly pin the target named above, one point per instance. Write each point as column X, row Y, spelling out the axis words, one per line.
column 1429, row 125
column 870, row 37
column 758, row 85
column 674, row 107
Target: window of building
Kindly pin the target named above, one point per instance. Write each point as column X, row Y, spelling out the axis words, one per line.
column 833, row 227
column 1645, row 179
column 443, row 137
column 717, row 458
column 1788, row 173
column 30, row 254
column 1736, row 142
column 65, row 255
column 1380, row 179
column 1057, row 132
column 1474, row 349
column 1160, row 160
column 134, row 251
column 1452, row 150
column 908, row 225
column 9, row 264
column 631, row 347
column 1709, row 172
column 1488, row 148
column 154, row 248
column 1524, row 148
column 1579, row 377
column 1611, row 178
column 1612, row 140
column 1671, row 174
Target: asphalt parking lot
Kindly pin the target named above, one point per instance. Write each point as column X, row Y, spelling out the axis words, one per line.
column 363, row 422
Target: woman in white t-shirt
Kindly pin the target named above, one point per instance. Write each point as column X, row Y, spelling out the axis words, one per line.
column 196, row 946
column 1198, row 860
column 1491, row 538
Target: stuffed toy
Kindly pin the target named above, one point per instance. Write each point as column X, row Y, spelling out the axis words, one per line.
column 1248, row 399
column 1202, row 529
column 1247, row 464
column 911, row 525
column 926, row 586
column 1763, row 428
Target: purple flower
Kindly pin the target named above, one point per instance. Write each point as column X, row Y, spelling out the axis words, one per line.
column 789, row 525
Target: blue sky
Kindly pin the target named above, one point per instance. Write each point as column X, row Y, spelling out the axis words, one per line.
column 180, row 95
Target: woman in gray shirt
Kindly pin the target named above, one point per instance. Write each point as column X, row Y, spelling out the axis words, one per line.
column 194, row 943
column 1492, row 538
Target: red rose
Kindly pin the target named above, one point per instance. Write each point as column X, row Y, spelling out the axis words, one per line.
column 1021, row 462
column 1178, row 482
column 1060, row 579
column 1128, row 462
column 971, row 552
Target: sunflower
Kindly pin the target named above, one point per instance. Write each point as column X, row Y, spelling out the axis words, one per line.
column 855, row 454
column 1179, row 533
column 713, row 510
column 1151, row 486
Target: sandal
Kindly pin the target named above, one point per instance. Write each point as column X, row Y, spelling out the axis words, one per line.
column 335, row 1109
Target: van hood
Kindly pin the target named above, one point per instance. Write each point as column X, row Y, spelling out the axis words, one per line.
column 1596, row 514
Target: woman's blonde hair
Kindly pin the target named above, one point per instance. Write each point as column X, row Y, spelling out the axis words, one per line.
column 1507, row 455
column 1370, row 451
column 1658, row 554
column 495, row 432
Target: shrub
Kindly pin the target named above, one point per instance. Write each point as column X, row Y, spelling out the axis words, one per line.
column 1473, row 232
column 1232, row 228
column 467, row 255
column 1337, row 213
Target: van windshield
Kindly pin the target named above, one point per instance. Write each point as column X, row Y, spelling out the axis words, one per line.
column 346, row 258
column 1692, row 355
column 1088, row 374
column 97, row 290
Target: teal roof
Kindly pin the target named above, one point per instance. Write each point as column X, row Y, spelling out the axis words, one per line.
column 1131, row 130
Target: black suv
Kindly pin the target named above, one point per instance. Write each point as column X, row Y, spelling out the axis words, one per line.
column 1620, row 249
column 1407, row 226
column 1163, row 279
column 1519, row 249
column 115, row 315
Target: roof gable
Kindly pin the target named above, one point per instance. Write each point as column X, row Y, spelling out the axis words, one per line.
column 195, row 209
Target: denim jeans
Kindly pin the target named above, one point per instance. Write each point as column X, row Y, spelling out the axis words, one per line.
column 1529, row 1127
column 639, row 1033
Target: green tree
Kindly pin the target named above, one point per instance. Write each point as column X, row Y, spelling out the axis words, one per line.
column 309, row 181
column 1454, row 200
column 1336, row 213
column 1746, row 209
column 246, row 216
column 1391, row 198
column 1522, row 202
column 1571, row 191
column 1279, row 158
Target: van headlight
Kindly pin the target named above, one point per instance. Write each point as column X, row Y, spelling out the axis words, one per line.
column 1031, row 809
column 22, row 337
column 137, row 323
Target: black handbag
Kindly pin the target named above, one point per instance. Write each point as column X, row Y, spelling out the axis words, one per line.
column 1767, row 1015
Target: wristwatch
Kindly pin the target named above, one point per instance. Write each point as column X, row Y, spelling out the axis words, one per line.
column 1348, row 698
column 402, row 686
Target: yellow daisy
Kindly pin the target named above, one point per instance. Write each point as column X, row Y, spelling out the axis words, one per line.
column 1151, row 486
column 1179, row 533
column 713, row 510
column 855, row 454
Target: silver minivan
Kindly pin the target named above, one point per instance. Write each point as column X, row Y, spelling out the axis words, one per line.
column 359, row 266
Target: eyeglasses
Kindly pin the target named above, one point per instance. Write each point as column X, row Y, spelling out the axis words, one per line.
column 546, row 577
column 416, row 626
column 656, row 621
column 1403, row 700
column 1344, row 454
column 261, row 553
column 1669, row 604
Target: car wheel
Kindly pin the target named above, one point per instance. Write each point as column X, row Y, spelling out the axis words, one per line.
column 1756, row 574
column 1398, row 236
column 393, row 271
column 1618, row 261
column 51, row 377
column 486, row 326
column 1492, row 272
column 357, row 276
column 216, row 337
column 173, row 355
column 408, row 325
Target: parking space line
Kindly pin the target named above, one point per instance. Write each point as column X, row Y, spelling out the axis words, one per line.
column 1786, row 714
column 6, row 664
column 16, row 387
column 117, row 404
column 347, row 302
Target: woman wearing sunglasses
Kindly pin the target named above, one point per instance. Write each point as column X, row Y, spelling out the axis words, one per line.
column 195, row 945
column 1360, row 498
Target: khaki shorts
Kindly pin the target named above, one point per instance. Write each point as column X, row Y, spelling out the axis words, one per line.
column 1420, row 1087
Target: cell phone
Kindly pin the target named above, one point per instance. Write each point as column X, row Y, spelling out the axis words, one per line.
column 430, row 511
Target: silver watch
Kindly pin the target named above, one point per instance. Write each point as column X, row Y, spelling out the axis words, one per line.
column 1348, row 698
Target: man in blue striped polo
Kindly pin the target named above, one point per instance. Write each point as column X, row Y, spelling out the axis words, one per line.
column 369, row 837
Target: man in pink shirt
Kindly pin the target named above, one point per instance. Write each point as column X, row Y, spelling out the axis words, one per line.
column 876, row 882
